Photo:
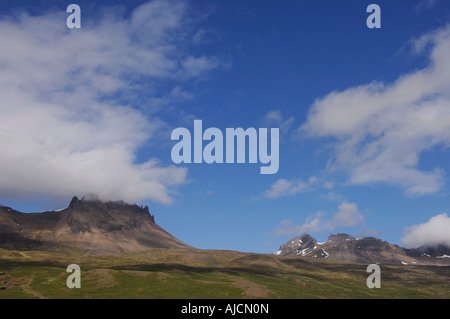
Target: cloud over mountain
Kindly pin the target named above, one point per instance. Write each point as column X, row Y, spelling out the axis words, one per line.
column 431, row 233
column 65, row 99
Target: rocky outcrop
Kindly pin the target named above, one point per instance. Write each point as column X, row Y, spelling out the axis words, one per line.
column 366, row 250
column 89, row 225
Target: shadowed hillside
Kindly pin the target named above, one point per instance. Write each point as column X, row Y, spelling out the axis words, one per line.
column 88, row 225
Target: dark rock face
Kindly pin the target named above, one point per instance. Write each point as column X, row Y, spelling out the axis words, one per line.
column 366, row 250
column 87, row 224
column 340, row 237
column 298, row 245
column 77, row 227
column 435, row 251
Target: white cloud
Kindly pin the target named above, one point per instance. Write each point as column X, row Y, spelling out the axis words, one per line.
column 287, row 228
column 347, row 215
column 435, row 231
column 61, row 131
column 275, row 119
column 284, row 187
column 382, row 129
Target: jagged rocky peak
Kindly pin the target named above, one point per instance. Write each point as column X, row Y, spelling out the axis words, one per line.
column 74, row 202
column 95, row 199
column 340, row 237
column 87, row 224
column 298, row 245
column 91, row 202
column 304, row 240
column 307, row 240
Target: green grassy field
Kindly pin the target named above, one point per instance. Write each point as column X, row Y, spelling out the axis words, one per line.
column 182, row 273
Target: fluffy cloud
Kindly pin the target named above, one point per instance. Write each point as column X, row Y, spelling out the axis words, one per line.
column 67, row 126
column 435, row 231
column 347, row 215
column 382, row 129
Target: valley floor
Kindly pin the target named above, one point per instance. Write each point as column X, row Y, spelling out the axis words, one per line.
column 209, row 274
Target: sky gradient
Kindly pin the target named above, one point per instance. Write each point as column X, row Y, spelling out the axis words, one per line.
column 364, row 115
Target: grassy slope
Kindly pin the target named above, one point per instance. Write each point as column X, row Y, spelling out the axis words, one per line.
column 182, row 273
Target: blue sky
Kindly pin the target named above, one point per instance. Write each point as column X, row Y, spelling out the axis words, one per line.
column 364, row 114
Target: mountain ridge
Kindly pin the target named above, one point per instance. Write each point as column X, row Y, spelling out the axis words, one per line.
column 344, row 247
column 88, row 225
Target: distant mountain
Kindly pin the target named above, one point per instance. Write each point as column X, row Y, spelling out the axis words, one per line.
column 367, row 250
column 87, row 225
